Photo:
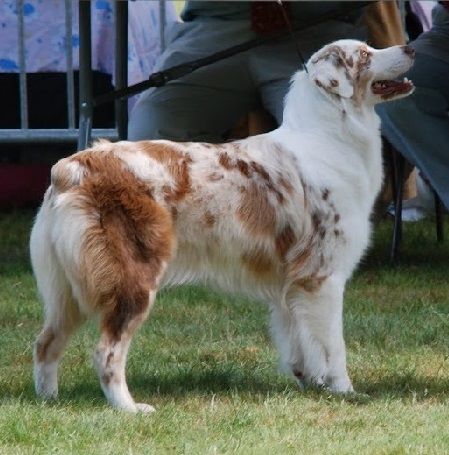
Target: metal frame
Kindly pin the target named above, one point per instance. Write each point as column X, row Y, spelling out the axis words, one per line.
column 121, row 66
column 85, row 81
column 83, row 135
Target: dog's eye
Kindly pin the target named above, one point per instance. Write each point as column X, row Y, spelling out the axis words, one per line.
column 363, row 53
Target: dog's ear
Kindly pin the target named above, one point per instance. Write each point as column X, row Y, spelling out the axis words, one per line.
column 331, row 76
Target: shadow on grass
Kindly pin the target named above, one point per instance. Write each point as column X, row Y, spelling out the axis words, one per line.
column 210, row 382
column 227, row 383
column 406, row 386
column 419, row 247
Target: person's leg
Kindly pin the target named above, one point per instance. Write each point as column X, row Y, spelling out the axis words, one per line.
column 201, row 106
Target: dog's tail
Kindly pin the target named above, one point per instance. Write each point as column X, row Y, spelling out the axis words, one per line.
column 110, row 235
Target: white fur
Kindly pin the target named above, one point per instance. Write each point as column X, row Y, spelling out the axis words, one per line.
column 329, row 142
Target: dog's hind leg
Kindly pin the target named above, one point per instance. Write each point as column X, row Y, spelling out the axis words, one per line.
column 117, row 329
column 62, row 315
column 60, row 323
column 318, row 317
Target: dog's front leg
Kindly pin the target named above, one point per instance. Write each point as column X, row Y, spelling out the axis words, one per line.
column 317, row 315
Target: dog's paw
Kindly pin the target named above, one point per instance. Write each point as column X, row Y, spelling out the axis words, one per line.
column 47, row 395
column 46, row 390
column 145, row 408
column 340, row 385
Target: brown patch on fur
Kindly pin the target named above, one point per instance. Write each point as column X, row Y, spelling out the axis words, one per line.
column 224, row 160
column 361, row 87
column 350, row 62
column 334, row 53
column 336, row 218
column 163, row 153
column 258, row 262
column 182, row 178
column 209, row 219
column 322, row 232
column 109, row 358
column 298, row 374
column 325, row 194
column 45, row 339
column 215, row 176
column 177, row 164
column 286, row 185
column 243, row 167
column 284, row 241
column 336, row 232
column 106, row 378
column 249, row 170
column 362, row 76
column 365, row 56
column 311, row 283
column 123, row 253
column 316, row 220
column 255, row 211
column 259, row 169
column 338, row 59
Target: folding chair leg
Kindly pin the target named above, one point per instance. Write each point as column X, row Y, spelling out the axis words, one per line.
column 85, row 64
column 397, row 230
column 439, row 218
column 121, row 66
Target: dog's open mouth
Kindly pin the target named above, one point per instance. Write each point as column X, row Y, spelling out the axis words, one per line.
column 387, row 89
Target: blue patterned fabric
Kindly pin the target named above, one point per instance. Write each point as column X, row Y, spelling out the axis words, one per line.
column 45, row 37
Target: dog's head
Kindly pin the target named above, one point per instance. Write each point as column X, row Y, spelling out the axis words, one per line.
column 353, row 70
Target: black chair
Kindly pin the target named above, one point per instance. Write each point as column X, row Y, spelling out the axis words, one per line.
column 397, row 166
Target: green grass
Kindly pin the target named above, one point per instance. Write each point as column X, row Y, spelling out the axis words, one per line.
column 205, row 361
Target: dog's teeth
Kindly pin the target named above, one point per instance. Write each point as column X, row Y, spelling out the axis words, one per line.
column 406, row 80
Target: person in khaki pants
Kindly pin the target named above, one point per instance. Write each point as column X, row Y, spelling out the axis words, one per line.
column 206, row 104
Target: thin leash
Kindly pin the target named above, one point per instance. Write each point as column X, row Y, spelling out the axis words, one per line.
column 292, row 35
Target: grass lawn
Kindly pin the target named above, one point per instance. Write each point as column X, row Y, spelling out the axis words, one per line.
column 205, row 361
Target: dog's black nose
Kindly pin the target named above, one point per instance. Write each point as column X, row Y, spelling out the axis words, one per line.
column 409, row 51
